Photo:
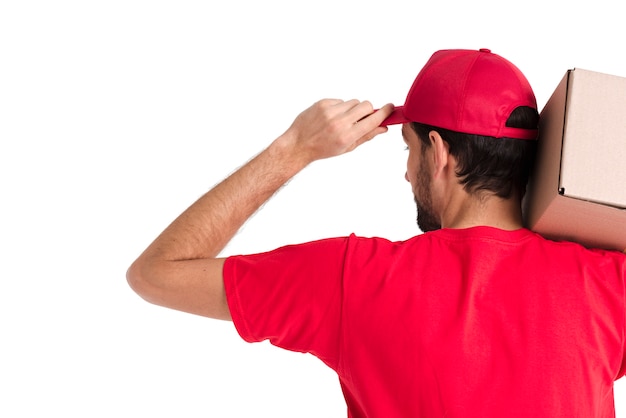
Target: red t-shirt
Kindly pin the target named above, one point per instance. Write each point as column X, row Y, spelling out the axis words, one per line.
column 476, row 322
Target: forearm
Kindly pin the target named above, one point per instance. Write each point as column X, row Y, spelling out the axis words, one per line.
column 204, row 229
column 326, row 129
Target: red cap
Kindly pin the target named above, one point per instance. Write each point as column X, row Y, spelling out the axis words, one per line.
column 467, row 91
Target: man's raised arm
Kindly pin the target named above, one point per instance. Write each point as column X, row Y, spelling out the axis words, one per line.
column 179, row 270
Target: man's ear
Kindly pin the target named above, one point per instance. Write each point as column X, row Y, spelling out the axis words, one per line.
column 441, row 153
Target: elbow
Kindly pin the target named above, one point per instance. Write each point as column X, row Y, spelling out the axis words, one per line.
column 138, row 279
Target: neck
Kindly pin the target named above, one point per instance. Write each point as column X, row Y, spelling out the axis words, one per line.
column 465, row 211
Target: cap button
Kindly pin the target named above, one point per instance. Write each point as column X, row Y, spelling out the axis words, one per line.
column 485, row 50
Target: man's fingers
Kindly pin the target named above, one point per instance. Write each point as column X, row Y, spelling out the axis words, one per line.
column 374, row 118
column 362, row 110
column 340, row 107
column 332, row 127
column 358, row 111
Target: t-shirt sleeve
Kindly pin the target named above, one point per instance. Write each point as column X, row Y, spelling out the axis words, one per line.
column 290, row 296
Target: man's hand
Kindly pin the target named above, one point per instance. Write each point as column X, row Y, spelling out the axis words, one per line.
column 180, row 269
column 333, row 127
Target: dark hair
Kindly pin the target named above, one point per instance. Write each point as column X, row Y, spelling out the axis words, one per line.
column 498, row 165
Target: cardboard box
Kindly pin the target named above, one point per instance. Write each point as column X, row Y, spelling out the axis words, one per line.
column 577, row 191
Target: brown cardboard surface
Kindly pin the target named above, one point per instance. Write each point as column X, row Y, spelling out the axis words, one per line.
column 577, row 191
column 594, row 149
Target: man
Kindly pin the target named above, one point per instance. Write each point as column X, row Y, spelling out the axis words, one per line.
column 478, row 317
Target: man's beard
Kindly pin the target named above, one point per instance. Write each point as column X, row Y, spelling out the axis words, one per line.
column 426, row 219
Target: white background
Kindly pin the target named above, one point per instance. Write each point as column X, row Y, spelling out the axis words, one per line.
column 116, row 115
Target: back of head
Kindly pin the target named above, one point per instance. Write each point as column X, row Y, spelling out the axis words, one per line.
column 485, row 108
column 498, row 166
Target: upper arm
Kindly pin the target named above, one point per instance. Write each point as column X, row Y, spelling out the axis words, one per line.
column 291, row 296
column 194, row 286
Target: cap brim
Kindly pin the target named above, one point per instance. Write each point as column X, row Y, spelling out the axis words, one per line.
column 397, row 117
